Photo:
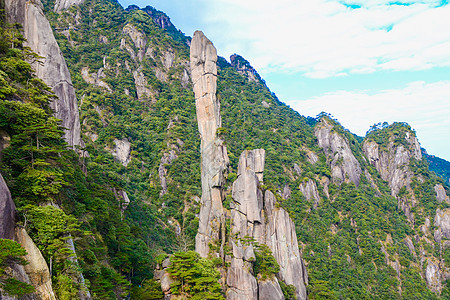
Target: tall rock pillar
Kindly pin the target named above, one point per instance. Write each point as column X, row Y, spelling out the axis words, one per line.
column 214, row 158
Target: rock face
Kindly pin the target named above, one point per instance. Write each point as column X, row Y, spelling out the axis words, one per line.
column 52, row 69
column 282, row 240
column 309, row 190
column 83, row 293
column 433, row 277
column 7, row 212
column 122, row 151
column 442, row 222
column 36, row 268
column 441, row 195
column 243, row 67
column 392, row 162
column 61, row 5
column 343, row 163
column 255, row 218
column 246, row 222
column 214, row 156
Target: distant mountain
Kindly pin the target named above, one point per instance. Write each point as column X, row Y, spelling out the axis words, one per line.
column 438, row 165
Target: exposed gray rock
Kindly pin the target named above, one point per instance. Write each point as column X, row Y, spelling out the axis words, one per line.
column 140, row 82
column 36, row 269
column 282, row 240
column 309, row 190
column 286, row 192
column 139, row 39
column 61, row 5
column 95, row 78
column 166, row 159
column 311, row 157
column 392, row 162
column 442, row 222
column 122, row 151
column 5, row 140
column 246, row 194
column 433, row 276
column 52, row 69
column 270, row 290
column 7, row 212
column 339, row 154
column 246, row 215
column 242, row 285
column 125, row 200
column 297, row 169
column 83, row 292
column 243, row 67
column 214, row 158
column 408, row 242
column 441, row 195
column 163, row 276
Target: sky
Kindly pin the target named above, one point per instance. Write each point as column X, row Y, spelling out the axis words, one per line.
column 362, row 61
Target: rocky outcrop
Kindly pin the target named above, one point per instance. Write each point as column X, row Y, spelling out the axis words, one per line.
column 310, row 192
column 244, row 68
column 52, row 68
column 392, row 162
column 442, row 224
column 95, row 78
column 166, row 159
column 83, row 292
column 214, row 158
column 256, row 219
column 282, row 240
column 247, row 226
column 36, row 269
column 269, row 290
column 344, row 166
column 441, row 195
column 139, row 39
column 61, row 5
column 433, row 276
column 163, row 276
column 7, row 212
column 122, row 151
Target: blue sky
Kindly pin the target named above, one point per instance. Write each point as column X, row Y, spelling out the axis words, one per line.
column 363, row 61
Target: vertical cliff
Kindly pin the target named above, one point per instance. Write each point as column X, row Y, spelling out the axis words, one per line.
column 7, row 212
column 257, row 219
column 214, row 158
column 343, row 164
column 52, row 68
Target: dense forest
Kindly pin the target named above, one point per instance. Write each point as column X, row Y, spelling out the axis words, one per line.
column 128, row 198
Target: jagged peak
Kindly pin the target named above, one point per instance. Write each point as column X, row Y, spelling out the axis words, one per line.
column 244, row 67
column 395, row 135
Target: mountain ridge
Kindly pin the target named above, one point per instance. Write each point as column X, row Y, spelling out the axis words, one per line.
column 381, row 226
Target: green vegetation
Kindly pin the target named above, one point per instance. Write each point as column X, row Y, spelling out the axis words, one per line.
column 195, row 278
column 62, row 196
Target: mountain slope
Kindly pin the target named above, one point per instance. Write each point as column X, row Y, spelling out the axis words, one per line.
column 370, row 216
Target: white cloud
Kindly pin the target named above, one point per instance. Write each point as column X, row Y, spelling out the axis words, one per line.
column 324, row 38
column 425, row 106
